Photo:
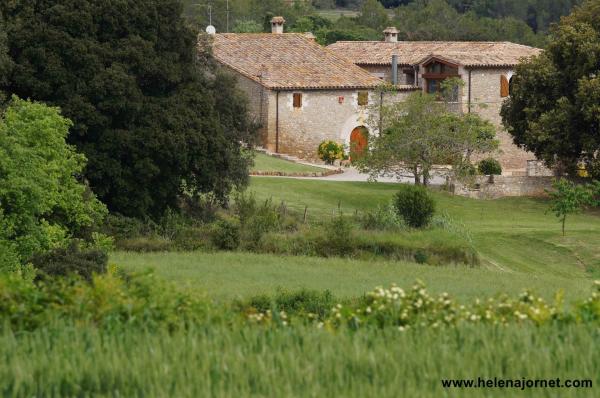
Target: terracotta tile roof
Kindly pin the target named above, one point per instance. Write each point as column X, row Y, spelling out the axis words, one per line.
column 289, row 61
column 468, row 54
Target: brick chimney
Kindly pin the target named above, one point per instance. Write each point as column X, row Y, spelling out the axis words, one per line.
column 277, row 25
column 390, row 34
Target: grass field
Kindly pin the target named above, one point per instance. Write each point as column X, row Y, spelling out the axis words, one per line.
column 335, row 14
column 268, row 163
column 511, row 234
column 219, row 360
column 521, row 247
column 225, row 276
column 222, row 356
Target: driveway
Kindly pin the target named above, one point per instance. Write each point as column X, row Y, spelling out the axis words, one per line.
column 351, row 174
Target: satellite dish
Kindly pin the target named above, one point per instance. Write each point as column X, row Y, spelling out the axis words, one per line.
column 211, row 30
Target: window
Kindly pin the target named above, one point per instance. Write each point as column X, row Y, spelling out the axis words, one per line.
column 297, row 100
column 434, row 86
column 504, row 86
column 363, row 98
column 441, row 69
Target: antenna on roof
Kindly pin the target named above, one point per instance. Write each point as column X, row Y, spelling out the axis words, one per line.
column 210, row 29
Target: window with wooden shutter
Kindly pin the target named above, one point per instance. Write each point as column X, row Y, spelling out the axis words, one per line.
column 363, row 98
column 504, row 86
column 297, row 100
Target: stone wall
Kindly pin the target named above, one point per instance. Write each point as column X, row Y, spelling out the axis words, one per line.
column 324, row 115
column 487, row 102
column 503, row 186
column 384, row 72
column 258, row 104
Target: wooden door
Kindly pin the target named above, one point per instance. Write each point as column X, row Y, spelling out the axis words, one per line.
column 359, row 140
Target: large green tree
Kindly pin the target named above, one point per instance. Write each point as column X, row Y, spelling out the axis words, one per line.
column 554, row 107
column 152, row 117
column 42, row 203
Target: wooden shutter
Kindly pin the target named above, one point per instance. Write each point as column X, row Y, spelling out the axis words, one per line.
column 297, row 100
column 504, row 87
column 363, row 98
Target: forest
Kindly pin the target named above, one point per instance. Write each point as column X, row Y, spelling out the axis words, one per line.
column 520, row 21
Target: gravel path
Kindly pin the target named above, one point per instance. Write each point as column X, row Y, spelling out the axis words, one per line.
column 351, row 174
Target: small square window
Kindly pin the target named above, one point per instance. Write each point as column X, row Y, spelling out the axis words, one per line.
column 363, row 98
column 297, row 100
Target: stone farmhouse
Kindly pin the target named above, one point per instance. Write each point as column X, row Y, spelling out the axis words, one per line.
column 302, row 93
column 486, row 69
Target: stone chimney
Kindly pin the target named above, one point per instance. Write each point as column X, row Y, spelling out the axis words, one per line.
column 390, row 34
column 277, row 25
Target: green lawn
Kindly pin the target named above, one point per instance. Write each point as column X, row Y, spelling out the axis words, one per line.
column 264, row 163
column 511, row 234
column 225, row 276
column 520, row 245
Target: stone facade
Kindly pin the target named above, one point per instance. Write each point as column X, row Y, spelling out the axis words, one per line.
column 486, row 100
column 324, row 115
column 481, row 96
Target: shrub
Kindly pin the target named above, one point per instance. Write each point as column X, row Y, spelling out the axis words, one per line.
column 193, row 238
column 415, row 205
column 145, row 244
column 336, row 237
column 244, row 205
column 330, row 151
column 303, row 302
column 415, row 308
column 112, row 300
column 225, row 234
column 489, row 167
column 421, row 257
column 259, row 219
column 384, row 218
column 266, row 218
column 71, row 260
column 121, row 227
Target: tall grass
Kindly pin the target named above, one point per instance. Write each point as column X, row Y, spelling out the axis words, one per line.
column 222, row 360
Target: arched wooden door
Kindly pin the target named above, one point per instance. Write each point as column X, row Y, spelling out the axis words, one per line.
column 359, row 141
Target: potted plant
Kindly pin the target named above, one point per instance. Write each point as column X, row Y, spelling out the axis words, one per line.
column 490, row 167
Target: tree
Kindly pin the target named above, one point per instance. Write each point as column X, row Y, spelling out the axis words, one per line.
column 568, row 198
column 437, row 20
column 554, row 110
column 5, row 61
column 247, row 27
column 147, row 108
column 42, row 203
column 373, row 15
column 421, row 132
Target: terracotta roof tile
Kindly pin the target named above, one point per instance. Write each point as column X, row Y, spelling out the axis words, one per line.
column 468, row 54
column 289, row 61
